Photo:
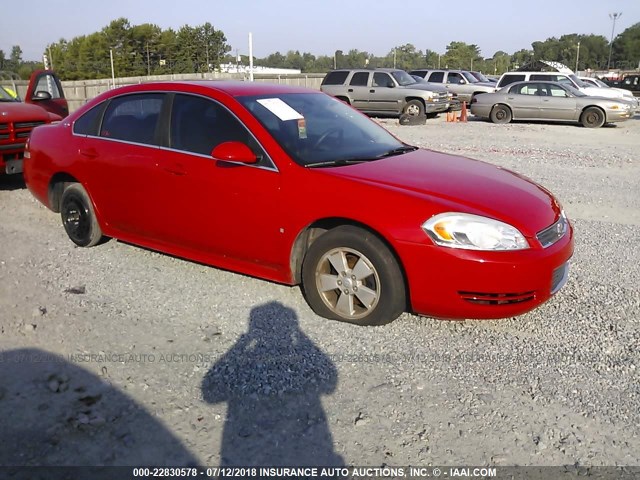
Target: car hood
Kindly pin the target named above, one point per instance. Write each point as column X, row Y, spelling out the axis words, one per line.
column 466, row 185
column 22, row 112
column 427, row 87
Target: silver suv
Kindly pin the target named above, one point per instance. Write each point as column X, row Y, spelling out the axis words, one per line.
column 460, row 82
column 385, row 91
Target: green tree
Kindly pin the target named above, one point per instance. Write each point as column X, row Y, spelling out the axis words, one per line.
column 461, row 55
column 626, row 48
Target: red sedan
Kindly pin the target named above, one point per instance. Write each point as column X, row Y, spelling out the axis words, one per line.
column 293, row 186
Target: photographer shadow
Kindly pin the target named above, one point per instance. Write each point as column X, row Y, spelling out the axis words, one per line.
column 272, row 380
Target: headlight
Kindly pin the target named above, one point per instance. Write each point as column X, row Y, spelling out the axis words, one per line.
column 473, row 232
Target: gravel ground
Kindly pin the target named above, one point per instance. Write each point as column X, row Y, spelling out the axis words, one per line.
column 117, row 355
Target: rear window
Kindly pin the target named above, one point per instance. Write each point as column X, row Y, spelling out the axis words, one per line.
column 508, row 79
column 335, row 78
column 360, row 79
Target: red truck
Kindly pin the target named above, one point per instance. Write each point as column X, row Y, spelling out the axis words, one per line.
column 44, row 103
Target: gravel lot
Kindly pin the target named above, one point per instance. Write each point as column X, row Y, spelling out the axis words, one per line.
column 118, row 355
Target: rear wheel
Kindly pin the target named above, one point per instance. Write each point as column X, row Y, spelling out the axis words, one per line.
column 350, row 275
column 414, row 108
column 592, row 117
column 500, row 114
column 78, row 217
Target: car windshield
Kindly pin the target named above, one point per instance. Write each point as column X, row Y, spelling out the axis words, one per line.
column 600, row 83
column 470, row 77
column 6, row 96
column 318, row 130
column 403, row 78
column 577, row 81
column 480, row 77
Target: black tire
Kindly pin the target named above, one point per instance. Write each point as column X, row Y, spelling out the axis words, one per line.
column 500, row 114
column 369, row 285
column 78, row 217
column 414, row 108
column 592, row 117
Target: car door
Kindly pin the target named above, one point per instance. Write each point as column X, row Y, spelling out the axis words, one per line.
column 383, row 96
column 215, row 207
column 524, row 101
column 358, row 90
column 45, row 90
column 119, row 166
column 558, row 104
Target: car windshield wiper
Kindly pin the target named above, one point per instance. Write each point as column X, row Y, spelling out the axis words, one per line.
column 398, row 151
column 340, row 162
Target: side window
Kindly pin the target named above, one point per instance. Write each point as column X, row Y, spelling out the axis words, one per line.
column 48, row 83
column 335, row 78
column 382, row 80
column 89, row 123
column 360, row 79
column 544, row 76
column 454, row 77
column 525, row 89
column 509, row 79
column 199, row 124
column 557, row 91
column 436, row 77
column 133, row 118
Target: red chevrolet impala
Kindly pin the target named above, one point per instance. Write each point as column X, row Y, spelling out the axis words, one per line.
column 293, row 186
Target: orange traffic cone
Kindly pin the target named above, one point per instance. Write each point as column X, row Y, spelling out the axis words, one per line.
column 463, row 112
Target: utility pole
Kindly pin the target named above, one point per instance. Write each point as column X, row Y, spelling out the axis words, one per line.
column 394, row 57
column 614, row 17
column 577, row 57
column 148, row 63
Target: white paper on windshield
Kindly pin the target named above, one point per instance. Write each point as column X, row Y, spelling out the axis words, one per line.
column 280, row 109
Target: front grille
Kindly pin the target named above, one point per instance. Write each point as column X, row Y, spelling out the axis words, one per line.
column 4, row 136
column 555, row 232
column 23, row 134
column 4, row 126
column 483, row 298
column 559, row 277
column 30, row 125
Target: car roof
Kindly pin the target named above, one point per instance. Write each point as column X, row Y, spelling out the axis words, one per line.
column 230, row 87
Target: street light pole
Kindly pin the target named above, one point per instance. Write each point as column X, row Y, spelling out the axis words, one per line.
column 614, row 17
column 577, row 57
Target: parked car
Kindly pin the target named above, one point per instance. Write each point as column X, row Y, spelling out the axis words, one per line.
column 18, row 119
column 628, row 82
column 626, row 94
column 460, row 82
column 385, row 91
column 454, row 103
column 549, row 101
column 566, row 78
column 291, row 185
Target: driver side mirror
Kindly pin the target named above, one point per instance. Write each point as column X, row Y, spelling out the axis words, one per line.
column 391, row 85
column 236, row 152
column 461, row 81
column 41, row 95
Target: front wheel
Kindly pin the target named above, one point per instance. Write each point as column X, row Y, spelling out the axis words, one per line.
column 414, row 108
column 500, row 114
column 350, row 275
column 78, row 217
column 592, row 117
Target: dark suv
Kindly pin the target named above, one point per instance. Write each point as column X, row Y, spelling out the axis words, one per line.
column 460, row 82
column 385, row 91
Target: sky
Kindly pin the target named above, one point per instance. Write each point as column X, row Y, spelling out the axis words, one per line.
column 322, row 27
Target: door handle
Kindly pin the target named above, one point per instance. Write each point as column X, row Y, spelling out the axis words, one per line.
column 350, row 90
column 88, row 152
column 372, row 91
column 175, row 169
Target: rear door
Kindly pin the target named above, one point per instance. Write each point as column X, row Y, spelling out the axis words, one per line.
column 524, row 101
column 45, row 90
column 358, row 90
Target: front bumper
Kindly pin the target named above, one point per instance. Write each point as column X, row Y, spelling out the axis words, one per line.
column 436, row 107
column 458, row 284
